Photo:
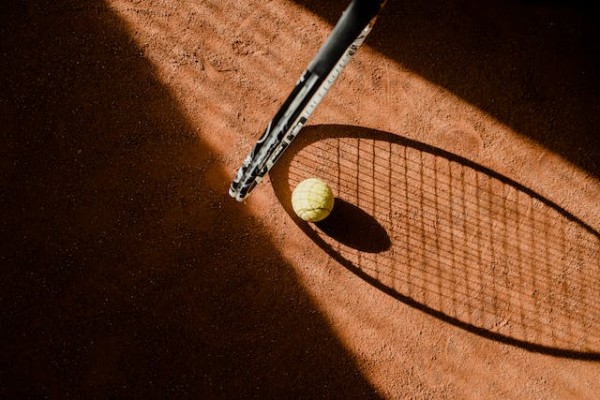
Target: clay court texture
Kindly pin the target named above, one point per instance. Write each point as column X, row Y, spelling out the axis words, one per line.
column 462, row 258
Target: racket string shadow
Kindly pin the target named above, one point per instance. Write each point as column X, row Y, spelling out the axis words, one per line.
column 453, row 239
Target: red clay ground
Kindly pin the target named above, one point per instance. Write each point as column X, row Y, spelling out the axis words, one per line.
column 461, row 261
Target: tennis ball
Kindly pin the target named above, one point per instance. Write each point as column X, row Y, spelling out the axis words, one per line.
column 312, row 200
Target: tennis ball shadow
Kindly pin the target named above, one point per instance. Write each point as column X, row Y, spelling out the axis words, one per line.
column 353, row 227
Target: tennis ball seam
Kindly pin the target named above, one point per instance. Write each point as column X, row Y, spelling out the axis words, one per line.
column 308, row 200
column 315, row 209
column 308, row 217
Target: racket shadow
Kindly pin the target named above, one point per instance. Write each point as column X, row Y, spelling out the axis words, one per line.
column 452, row 238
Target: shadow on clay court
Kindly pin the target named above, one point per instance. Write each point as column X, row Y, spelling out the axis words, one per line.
column 355, row 228
column 453, row 239
column 125, row 271
column 532, row 65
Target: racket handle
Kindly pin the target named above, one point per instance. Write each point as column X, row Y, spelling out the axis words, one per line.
column 358, row 15
column 348, row 34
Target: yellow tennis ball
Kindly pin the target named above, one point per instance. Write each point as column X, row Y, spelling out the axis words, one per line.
column 312, row 200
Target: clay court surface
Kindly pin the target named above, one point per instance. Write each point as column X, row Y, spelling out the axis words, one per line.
column 462, row 259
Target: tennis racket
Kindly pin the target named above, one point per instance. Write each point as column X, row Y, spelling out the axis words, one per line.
column 346, row 37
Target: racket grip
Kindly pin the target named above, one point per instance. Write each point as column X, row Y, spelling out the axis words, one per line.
column 353, row 21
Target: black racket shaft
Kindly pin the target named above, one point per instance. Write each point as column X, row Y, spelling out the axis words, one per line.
column 346, row 37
